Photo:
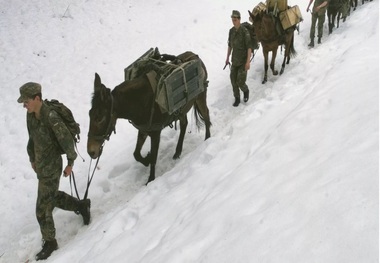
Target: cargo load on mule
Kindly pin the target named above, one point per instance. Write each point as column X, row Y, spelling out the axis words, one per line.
column 288, row 16
column 271, row 33
column 174, row 83
column 277, row 5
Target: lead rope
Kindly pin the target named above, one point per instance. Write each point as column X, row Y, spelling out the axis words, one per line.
column 89, row 180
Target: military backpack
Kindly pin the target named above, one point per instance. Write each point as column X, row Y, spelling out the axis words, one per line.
column 251, row 30
column 67, row 116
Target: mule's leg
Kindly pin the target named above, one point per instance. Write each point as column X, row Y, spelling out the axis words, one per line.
column 182, row 125
column 283, row 63
column 288, row 43
column 329, row 17
column 272, row 63
column 289, row 50
column 339, row 16
column 333, row 18
column 154, row 144
column 141, row 137
column 265, row 53
column 354, row 4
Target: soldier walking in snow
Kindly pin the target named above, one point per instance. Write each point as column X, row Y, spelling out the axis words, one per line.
column 48, row 138
column 318, row 13
column 239, row 42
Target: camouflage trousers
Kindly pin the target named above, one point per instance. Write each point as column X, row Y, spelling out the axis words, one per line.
column 48, row 198
column 321, row 20
column 238, row 78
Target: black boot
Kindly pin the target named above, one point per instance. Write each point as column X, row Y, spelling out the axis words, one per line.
column 237, row 102
column 246, row 96
column 47, row 249
column 84, row 210
column 319, row 40
column 311, row 44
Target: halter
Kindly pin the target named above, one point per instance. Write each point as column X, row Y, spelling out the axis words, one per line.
column 109, row 129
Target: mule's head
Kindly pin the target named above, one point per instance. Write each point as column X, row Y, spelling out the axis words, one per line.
column 102, row 121
column 263, row 24
column 255, row 15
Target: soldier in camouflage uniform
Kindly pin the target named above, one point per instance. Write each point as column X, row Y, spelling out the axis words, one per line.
column 48, row 139
column 239, row 42
column 318, row 13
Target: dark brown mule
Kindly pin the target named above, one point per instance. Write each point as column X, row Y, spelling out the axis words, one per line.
column 265, row 29
column 134, row 100
column 335, row 10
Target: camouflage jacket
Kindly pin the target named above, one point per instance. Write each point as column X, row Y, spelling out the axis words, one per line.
column 48, row 138
column 239, row 41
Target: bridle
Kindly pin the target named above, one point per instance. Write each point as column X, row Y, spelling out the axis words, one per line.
column 110, row 126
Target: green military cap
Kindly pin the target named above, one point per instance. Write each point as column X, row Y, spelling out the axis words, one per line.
column 28, row 90
column 235, row 14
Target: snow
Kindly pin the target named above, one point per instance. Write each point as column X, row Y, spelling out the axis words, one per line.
column 290, row 176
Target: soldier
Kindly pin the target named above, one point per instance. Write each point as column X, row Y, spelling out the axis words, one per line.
column 48, row 138
column 318, row 13
column 239, row 42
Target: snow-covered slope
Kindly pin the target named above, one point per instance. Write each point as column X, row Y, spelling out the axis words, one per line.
column 290, row 176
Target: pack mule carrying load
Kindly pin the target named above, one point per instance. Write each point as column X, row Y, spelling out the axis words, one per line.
column 288, row 17
column 176, row 83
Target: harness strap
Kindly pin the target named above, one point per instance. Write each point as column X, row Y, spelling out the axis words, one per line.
column 89, row 180
column 184, row 80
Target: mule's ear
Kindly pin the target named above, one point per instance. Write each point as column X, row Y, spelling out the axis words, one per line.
column 98, row 82
column 250, row 15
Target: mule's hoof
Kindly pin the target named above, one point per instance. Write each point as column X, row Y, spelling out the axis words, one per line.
column 146, row 161
column 176, row 156
column 264, row 81
column 149, row 180
column 275, row 73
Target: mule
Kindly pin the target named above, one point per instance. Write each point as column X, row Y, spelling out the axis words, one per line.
column 134, row 100
column 265, row 28
column 336, row 10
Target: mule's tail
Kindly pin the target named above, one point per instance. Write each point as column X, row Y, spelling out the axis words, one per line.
column 200, row 120
column 292, row 51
